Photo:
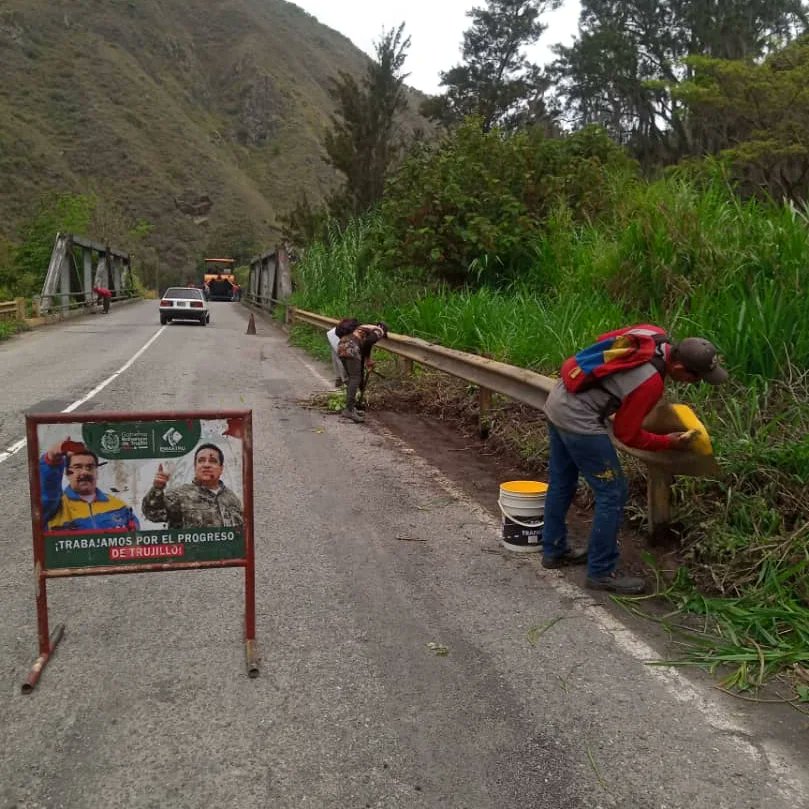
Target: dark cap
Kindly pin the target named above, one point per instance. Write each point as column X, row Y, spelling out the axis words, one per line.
column 700, row 357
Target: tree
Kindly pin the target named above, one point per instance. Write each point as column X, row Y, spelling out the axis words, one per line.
column 630, row 53
column 68, row 213
column 737, row 29
column 470, row 208
column 305, row 223
column 362, row 143
column 495, row 82
column 761, row 113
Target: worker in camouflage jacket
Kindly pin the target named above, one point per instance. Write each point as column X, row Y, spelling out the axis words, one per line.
column 205, row 503
column 354, row 350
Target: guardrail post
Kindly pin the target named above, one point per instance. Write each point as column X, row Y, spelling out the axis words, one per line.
column 404, row 365
column 658, row 488
column 20, row 308
column 484, row 408
column 289, row 315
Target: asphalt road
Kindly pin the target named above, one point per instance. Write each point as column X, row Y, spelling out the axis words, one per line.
column 365, row 557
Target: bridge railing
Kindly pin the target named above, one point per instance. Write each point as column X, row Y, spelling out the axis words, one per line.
column 531, row 388
column 74, row 303
column 13, row 310
column 78, row 264
column 270, row 281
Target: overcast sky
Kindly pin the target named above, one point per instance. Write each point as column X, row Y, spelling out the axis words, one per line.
column 435, row 28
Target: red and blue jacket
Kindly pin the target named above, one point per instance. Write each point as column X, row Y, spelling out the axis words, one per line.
column 64, row 510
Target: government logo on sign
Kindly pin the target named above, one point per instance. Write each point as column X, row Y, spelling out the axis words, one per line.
column 110, row 441
column 174, row 440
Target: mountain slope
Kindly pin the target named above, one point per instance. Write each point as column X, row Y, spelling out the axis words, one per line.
column 155, row 105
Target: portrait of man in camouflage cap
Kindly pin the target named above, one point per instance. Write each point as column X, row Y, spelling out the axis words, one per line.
column 204, row 503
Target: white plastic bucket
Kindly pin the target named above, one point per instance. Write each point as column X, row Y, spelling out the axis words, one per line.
column 522, row 504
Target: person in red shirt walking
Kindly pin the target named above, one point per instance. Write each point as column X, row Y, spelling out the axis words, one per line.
column 579, row 437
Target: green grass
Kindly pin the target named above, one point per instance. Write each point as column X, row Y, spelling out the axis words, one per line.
column 745, row 640
column 8, row 328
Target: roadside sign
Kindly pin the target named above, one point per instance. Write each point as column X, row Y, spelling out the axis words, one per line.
column 139, row 492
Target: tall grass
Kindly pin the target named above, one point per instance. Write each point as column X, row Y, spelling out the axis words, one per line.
column 515, row 326
column 702, row 261
column 341, row 278
column 696, row 260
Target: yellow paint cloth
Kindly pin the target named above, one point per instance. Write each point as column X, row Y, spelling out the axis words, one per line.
column 701, row 443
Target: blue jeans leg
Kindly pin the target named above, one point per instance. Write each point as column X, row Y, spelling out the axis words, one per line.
column 598, row 463
column 564, row 476
column 595, row 458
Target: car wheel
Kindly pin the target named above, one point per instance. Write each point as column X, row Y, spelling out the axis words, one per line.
column 208, row 318
column 163, row 320
column 203, row 321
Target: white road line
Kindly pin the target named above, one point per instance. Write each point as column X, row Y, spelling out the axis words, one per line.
column 12, row 449
column 18, row 445
column 316, row 373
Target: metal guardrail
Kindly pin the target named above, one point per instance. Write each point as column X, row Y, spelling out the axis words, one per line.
column 532, row 389
column 18, row 308
column 519, row 384
column 265, row 302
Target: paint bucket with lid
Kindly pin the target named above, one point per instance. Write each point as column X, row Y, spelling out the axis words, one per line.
column 522, row 504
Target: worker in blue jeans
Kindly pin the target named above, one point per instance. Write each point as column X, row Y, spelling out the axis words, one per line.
column 579, row 427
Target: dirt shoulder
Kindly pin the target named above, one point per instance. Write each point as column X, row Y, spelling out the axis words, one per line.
column 443, row 428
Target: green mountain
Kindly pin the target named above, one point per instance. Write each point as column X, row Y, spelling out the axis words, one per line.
column 202, row 117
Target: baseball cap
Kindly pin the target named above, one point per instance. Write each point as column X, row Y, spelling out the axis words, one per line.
column 701, row 358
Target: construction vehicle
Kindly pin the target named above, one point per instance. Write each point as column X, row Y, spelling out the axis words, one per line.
column 219, row 279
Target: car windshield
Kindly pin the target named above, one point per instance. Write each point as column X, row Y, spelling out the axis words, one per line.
column 189, row 294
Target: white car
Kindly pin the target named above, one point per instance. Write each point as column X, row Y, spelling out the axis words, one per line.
column 184, row 303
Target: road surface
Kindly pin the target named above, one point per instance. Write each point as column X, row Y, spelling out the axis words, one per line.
column 407, row 660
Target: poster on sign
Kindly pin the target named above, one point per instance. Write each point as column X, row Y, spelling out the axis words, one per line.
column 135, row 492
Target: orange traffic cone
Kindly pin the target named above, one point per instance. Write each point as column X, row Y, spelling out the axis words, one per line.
column 251, row 326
